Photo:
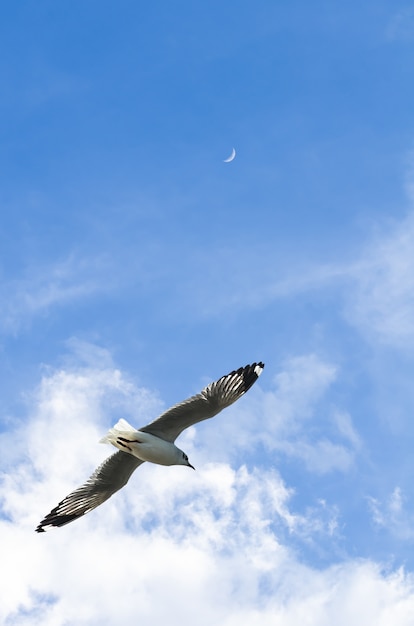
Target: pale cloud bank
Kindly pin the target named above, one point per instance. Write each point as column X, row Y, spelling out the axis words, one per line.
column 210, row 547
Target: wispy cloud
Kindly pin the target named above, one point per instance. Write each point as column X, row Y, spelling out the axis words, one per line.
column 375, row 288
column 393, row 515
column 371, row 290
column 401, row 26
column 290, row 419
column 42, row 287
column 233, row 281
column 380, row 301
column 299, row 388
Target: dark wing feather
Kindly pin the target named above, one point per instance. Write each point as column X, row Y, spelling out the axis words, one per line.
column 210, row 401
column 113, row 474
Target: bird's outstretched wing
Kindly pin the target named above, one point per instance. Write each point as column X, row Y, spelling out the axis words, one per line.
column 113, row 474
column 210, row 401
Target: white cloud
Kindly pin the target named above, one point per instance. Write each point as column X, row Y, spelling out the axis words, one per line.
column 289, row 419
column 301, row 384
column 172, row 547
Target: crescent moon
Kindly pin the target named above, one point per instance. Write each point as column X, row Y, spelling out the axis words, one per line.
column 231, row 157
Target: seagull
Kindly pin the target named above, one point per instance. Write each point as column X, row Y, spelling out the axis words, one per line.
column 153, row 443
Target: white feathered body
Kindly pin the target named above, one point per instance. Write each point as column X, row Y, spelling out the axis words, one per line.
column 144, row 446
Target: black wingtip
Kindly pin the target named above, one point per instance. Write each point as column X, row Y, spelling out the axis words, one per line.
column 56, row 519
column 251, row 373
column 259, row 367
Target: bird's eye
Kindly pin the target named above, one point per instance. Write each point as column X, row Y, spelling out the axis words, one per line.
column 185, row 457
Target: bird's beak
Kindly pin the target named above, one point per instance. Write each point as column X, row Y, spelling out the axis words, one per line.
column 189, row 465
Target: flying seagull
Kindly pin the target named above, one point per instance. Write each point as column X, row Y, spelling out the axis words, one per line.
column 153, row 443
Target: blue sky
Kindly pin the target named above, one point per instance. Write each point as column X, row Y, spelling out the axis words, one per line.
column 136, row 266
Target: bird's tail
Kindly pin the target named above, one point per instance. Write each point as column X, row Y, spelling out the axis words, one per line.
column 113, row 433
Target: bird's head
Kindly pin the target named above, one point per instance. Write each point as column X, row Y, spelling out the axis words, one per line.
column 184, row 460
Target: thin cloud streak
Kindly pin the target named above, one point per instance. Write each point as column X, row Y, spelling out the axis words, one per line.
column 375, row 289
column 46, row 286
column 373, row 292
